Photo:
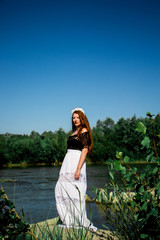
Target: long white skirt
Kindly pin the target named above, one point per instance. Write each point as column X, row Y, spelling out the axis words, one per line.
column 70, row 193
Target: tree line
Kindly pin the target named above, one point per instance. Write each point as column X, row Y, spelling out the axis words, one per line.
column 50, row 147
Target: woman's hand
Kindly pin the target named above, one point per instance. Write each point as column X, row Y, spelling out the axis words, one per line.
column 77, row 174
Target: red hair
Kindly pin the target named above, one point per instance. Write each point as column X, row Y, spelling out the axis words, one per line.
column 84, row 124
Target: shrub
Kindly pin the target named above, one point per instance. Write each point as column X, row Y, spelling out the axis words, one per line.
column 12, row 227
column 133, row 209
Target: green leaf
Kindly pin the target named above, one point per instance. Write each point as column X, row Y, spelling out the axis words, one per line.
column 149, row 114
column 142, row 176
column 141, row 190
column 129, row 186
column 157, row 186
column 128, row 176
column 123, row 170
column 145, row 196
column 136, row 217
column 10, row 204
column 158, row 192
column 144, row 236
column 119, row 154
column 134, row 169
column 154, row 212
column 158, row 135
column 137, row 196
column 111, row 175
column 155, row 170
column 146, row 142
column 149, row 157
column 157, row 160
column 133, row 204
column 126, row 159
column 141, row 128
column 144, row 206
column 117, row 165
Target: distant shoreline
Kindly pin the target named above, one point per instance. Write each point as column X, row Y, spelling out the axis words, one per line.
column 25, row 165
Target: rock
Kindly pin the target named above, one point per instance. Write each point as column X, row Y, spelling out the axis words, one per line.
column 49, row 228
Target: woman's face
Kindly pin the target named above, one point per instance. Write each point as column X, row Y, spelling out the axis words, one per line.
column 76, row 120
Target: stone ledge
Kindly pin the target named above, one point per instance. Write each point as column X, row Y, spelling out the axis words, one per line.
column 51, row 225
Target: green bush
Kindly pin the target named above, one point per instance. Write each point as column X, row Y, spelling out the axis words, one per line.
column 133, row 208
column 12, row 227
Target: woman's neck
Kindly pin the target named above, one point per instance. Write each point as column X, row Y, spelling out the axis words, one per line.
column 77, row 130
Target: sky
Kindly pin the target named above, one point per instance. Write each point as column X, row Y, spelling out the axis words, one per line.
column 101, row 55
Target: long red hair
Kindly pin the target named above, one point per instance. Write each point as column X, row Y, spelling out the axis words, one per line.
column 84, row 124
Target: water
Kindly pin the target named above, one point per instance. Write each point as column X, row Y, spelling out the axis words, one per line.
column 33, row 191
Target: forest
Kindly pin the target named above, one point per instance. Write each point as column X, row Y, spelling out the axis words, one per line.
column 50, row 147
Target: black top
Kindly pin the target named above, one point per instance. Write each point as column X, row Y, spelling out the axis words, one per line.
column 76, row 143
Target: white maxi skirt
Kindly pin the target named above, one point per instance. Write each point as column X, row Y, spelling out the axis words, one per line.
column 70, row 193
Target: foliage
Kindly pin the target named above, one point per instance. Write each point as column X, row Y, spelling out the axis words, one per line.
column 12, row 227
column 46, row 148
column 109, row 137
column 133, row 210
column 50, row 147
column 103, row 138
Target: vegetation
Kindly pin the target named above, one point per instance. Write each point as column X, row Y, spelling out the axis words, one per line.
column 50, row 147
column 133, row 209
column 48, row 230
column 47, row 148
column 12, row 227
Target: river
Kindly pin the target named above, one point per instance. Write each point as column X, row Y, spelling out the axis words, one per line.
column 33, row 191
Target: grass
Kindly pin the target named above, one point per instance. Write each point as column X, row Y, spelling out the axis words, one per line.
column 49, row 230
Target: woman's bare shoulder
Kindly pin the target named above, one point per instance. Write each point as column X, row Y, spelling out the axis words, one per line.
column 84, row 130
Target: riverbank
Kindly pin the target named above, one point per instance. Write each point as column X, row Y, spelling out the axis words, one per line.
column 49, row 229
column 25, row 165
column 56, row 164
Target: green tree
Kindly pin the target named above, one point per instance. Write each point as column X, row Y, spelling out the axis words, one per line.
column 103, row 139
column 3, row 159
column 61, row 142
column 127, row 139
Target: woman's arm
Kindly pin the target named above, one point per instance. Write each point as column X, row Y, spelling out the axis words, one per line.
column 80, row 163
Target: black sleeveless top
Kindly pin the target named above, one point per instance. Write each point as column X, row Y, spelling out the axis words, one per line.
column 76, row 143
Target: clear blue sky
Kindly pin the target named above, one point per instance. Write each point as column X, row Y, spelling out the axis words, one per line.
column 101, row 55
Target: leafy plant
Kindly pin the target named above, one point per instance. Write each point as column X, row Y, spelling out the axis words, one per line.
column 12, row 227
column 133, row 209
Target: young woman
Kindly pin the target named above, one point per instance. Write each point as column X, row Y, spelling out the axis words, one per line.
column 71, row 187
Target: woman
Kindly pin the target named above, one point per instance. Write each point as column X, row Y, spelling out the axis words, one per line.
column 72, row 185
